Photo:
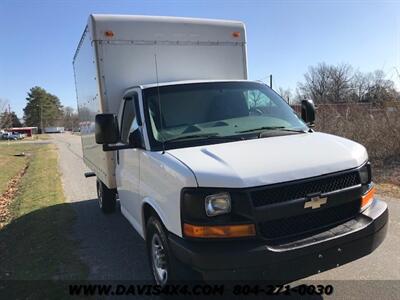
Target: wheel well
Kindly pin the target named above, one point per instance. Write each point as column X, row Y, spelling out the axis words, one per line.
column 148, row 211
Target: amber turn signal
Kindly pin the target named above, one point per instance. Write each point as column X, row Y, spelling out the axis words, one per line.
column 226, row 231
column 236, row 34
column 367, row 198
column 109, row 33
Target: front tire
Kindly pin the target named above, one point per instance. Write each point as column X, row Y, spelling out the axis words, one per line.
column 166, row 269
column 106, row 197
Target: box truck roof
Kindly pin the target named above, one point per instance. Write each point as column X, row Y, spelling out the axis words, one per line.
column 164, row 29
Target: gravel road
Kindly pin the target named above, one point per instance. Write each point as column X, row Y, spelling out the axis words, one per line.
column 114, row 251
column 109, row 246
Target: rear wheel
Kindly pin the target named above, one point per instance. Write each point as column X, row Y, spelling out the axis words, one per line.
column 165, row 267
column 106, row 197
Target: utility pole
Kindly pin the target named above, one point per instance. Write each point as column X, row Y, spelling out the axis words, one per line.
column 270, row 81
column 41, row 120
column 9, row 119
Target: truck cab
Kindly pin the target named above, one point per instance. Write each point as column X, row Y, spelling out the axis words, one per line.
column 225, row 180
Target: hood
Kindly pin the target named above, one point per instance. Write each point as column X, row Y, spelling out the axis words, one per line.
column 270, row 160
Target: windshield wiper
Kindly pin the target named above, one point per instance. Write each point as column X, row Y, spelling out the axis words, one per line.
column 280, row 128
column 206, row 136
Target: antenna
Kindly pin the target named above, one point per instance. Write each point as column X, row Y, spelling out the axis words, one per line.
column 159, row 100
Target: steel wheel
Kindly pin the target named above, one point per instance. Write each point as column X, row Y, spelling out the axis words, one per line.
column 106, row 198
column 159, row 261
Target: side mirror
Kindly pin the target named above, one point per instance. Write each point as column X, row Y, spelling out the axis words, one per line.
column 308, row 111
column 135, row 139
column 106, row 130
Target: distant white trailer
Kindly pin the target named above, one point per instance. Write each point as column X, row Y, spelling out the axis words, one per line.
column 54, row 129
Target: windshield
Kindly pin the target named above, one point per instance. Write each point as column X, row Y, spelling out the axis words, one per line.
column 217, row 110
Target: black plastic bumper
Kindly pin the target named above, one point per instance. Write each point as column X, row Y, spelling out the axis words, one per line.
column 254, row 260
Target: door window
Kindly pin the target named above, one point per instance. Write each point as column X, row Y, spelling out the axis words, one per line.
column 129, row 119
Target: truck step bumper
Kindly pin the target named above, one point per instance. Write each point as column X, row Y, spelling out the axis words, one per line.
column 255, row 260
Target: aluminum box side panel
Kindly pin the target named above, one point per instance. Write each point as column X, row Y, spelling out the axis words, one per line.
column 89, row 104
column 128, row 64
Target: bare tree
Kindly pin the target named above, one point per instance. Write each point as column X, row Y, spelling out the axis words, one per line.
column 3, row 104
column 340, row 78
column 285, row 94
column 255, row 98
column 397, row 73
column 316, row 85
column 380, row 89
column 360, row 85
column 339, row 84
column 70, row 118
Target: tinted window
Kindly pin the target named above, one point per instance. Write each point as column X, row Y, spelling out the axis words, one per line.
column 129, row 120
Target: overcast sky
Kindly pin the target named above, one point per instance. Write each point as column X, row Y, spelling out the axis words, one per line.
column 39, row 38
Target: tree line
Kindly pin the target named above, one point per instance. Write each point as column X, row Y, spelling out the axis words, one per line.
column 342, row 84
column 42, row 110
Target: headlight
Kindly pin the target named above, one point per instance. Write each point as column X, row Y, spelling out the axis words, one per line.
column 218, row 204
column 365, row 173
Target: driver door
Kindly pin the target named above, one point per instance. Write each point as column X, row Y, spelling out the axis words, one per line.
column 128, row 162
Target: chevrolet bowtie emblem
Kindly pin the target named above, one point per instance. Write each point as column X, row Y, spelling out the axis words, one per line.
column 315, row 202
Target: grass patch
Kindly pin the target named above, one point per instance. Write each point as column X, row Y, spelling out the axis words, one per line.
column 388, row 189
column 37, row 244
column 11, row 165
column 386, row 175
column 42, row 136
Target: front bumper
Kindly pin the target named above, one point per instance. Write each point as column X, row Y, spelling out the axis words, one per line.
column 255, row 260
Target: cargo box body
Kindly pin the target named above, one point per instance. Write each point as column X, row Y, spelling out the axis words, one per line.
column 118, row 52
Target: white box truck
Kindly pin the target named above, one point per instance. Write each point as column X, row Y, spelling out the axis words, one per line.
column 217, row 173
